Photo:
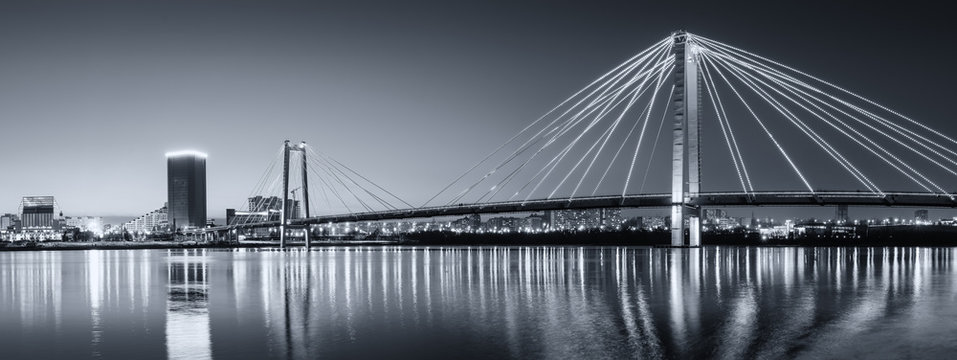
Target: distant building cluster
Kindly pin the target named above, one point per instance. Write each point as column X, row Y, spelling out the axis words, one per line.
column 92, row 224
column 557, row 220
column 39, row 218
column 153, row 221
column 553, row 220
column 718, row 219
column 810, row 229
column 580, row 220
column 262, row 209
column 841, row 227
column 715, row 221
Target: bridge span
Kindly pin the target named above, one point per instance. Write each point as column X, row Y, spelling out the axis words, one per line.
column 618, row 132
column 705, row 199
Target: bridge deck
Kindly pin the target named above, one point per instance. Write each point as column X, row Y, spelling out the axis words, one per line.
column 832, row 198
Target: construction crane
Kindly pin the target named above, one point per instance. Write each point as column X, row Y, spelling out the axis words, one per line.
column 295, row 199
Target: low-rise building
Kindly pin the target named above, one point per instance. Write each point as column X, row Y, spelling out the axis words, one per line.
column 155, row 220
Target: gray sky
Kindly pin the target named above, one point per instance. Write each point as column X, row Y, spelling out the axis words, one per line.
column 410, row 94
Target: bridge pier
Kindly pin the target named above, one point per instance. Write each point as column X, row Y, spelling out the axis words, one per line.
column 305, row 191
column 308, row 243
column 685, row 159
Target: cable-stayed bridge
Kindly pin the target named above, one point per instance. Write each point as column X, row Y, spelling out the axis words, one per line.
column 772, row 135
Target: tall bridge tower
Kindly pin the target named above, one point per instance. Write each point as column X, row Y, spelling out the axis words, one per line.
column 685, row 159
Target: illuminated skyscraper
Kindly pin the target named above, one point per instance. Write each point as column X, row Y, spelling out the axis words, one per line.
column 186, row 182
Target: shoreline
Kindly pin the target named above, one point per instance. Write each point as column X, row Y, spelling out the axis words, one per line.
column 134, row 245
column 157, row 245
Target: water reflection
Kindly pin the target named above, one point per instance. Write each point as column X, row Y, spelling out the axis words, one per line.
column 500, row 302
column 187, row 307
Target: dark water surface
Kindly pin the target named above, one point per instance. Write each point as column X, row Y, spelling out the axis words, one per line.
column 489, row 302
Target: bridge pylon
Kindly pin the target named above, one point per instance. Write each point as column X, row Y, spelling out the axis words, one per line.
column 284, row 215
column 685, row 160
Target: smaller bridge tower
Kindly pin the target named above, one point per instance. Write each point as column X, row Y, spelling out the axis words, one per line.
column 284, row 215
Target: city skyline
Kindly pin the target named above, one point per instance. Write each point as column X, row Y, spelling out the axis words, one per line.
column 131, row 78
column 528, row 179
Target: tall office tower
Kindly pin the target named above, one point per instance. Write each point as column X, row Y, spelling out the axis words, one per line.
column 186, row 183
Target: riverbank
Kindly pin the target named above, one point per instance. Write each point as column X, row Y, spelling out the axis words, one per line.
column 877, row 237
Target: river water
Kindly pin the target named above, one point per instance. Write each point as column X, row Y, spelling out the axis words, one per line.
column 480, row 302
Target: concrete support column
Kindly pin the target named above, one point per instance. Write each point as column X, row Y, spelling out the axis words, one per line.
column 285, row 195
column 305, row 191
column 308, row 229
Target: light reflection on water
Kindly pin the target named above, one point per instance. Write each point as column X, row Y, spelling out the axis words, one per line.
column 493, row 302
